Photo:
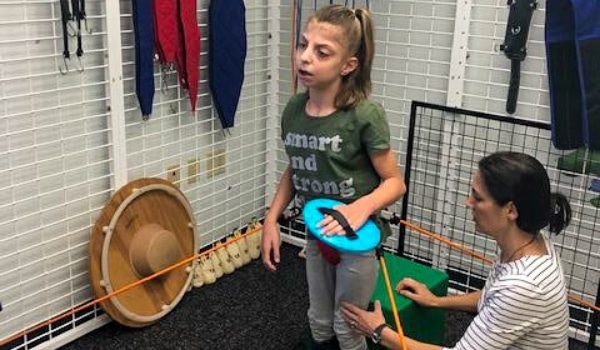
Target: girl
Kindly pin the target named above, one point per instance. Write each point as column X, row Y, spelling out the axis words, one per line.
column 338, row 144
column 523, row 304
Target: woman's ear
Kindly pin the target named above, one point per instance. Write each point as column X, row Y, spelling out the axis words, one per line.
column 511, row 210
column 350, row 66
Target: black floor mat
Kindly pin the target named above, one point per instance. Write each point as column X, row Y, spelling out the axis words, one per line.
column 251, row 309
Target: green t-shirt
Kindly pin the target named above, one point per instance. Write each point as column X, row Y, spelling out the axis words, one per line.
column 329, row 156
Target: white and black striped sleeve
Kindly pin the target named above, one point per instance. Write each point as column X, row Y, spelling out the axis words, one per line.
column 513, row 306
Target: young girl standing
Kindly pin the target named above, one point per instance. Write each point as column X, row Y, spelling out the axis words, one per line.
column 338, row 144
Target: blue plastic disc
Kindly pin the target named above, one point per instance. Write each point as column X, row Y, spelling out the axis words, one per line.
column 368, row 236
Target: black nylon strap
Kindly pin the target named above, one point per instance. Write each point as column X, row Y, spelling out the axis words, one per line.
column 65, row 16
column 517, row 28
column 513, row 86
column 82, row 14
column 341, row 220
column 514, row 46
column 76, row 6
column 75, row 9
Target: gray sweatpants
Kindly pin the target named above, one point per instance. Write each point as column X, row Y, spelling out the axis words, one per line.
column 352, row 280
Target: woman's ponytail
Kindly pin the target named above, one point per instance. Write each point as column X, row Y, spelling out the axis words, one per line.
column 560, row 213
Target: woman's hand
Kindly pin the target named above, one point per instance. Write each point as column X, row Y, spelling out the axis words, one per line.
column 270, row 244
column 417, row 292
column 354, row 214
column 362, row 321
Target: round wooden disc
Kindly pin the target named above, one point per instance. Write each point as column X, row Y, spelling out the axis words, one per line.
column 145, row 207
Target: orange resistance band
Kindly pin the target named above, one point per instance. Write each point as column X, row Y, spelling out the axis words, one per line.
column 434, row 236
column 123, row 289
column 447, row 241
column 388, row 287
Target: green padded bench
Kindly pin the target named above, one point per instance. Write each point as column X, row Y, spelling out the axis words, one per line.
column 420, row 323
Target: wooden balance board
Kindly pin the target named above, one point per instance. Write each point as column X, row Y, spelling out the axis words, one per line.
column 147, row 225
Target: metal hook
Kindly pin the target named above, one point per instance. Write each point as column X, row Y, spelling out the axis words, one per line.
column 163, row 80
column 81, row 68
column 66, row 70
column 74, row 31
column 225, row 132
column 87, row 29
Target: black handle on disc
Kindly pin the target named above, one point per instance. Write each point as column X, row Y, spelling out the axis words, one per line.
column 340, row 219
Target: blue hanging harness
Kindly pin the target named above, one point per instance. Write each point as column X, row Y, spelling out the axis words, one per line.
column 143, row 28
column 573, row 59
column 226, row 56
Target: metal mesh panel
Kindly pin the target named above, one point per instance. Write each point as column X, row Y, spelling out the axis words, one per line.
column 446, row 147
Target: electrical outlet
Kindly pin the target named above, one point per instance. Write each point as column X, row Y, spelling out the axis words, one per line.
column 210, row 164
column 174, row 174
column 215, row 163
column 193, row 169
column 219, row 162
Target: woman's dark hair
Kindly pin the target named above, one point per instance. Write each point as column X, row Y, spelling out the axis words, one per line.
column 521, row 179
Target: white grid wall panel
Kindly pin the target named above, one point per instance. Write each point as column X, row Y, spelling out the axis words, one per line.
column 487, row 70
column 55, row 164
column 472, row 138
column 174, row 136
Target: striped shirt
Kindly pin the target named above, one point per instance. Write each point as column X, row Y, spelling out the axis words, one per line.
column 523, row 305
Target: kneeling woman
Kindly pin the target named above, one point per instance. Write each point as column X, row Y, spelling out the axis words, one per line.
column 523, row 304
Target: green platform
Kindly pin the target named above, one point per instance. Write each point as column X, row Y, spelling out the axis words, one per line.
column 420, row 323
column 581, row 162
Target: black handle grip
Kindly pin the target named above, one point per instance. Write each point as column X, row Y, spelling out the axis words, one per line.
column 341, row 220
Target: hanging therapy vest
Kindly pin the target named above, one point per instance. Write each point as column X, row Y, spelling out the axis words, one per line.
column 226, row 55
column 170, row 27
column 573, row 58
column 144, row 54
column 177, row 41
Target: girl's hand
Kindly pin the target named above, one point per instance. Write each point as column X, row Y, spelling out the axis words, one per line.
column 354, row 214
column 270, row 244
column 417, row 292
